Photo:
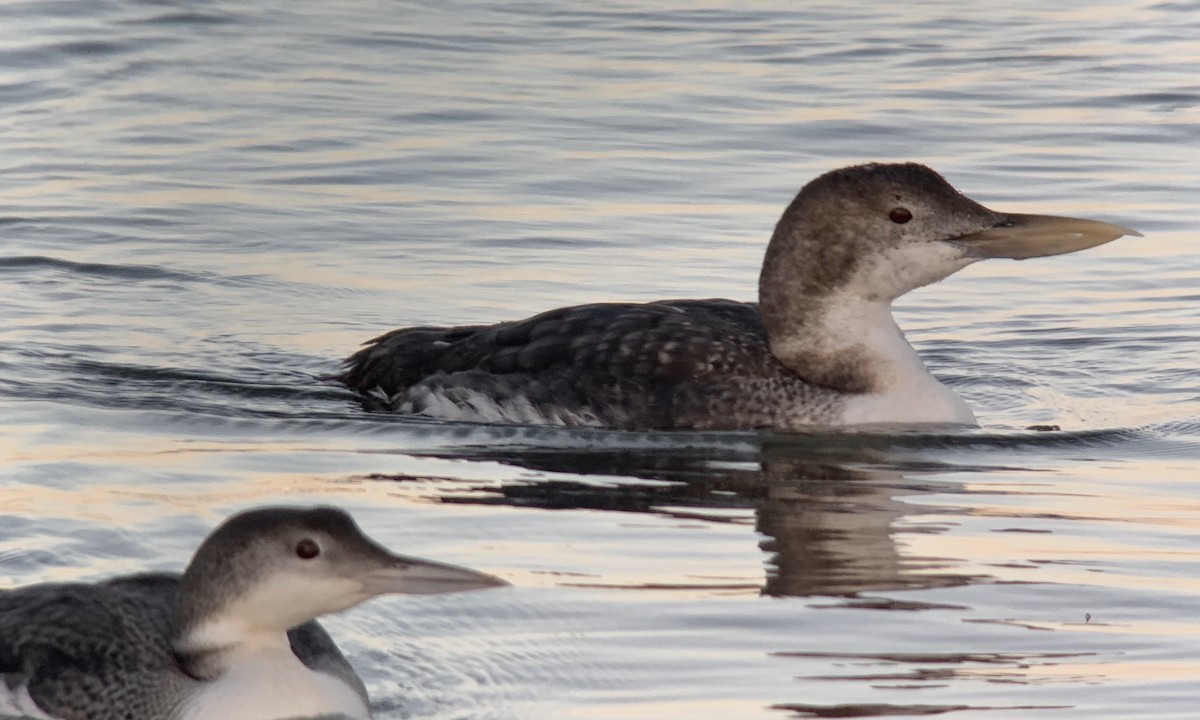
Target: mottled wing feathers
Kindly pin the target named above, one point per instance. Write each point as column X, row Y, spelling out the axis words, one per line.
column 312, row 644
column 82, row 648
column 664, row 340
column 614, row 364
column 402, row 357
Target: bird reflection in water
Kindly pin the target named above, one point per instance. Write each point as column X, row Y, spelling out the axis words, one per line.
column 829, row 517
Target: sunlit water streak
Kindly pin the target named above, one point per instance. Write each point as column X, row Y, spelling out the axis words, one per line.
column 204, row 207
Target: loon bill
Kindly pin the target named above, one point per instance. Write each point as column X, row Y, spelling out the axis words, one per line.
column 820, row 348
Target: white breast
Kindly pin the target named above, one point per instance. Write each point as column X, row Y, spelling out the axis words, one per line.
column 908, row 392
column 919, row 402
column 273, row 685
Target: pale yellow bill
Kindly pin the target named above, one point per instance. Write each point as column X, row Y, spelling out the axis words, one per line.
column 1026, row 236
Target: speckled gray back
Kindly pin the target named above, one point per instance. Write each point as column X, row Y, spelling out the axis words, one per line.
column 94, row 652
column 668, row 364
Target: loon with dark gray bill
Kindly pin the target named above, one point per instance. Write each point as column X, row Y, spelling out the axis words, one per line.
column 820, row 348
column 234, row 637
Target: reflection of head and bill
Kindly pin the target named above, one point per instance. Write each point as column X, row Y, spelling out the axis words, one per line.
column 828, row 515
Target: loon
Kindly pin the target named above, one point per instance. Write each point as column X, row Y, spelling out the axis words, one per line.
column 234, row 637
column 820, row 348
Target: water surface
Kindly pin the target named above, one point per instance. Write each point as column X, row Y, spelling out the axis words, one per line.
column 205, row 206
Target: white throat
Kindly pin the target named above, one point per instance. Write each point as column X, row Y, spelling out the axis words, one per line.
column 904, row 389
column 262, row 679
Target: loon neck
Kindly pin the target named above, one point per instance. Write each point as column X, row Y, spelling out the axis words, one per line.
column 826, row 306
column 844, row 343
column 211, row 647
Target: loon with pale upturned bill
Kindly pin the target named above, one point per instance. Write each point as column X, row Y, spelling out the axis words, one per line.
column 820, row 348
column 235, row 637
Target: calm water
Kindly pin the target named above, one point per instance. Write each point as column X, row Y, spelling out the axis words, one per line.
column 205, row 205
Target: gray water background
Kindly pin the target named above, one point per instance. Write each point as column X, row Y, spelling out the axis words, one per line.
column 204, row 206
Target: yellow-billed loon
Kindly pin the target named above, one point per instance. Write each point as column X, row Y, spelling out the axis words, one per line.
column 820, row 348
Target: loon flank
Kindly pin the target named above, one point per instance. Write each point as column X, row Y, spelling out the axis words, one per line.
column 234, row 637
column 819, row 348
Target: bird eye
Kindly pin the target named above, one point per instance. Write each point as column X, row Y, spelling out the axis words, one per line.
column 900, row 215
column 307, row 549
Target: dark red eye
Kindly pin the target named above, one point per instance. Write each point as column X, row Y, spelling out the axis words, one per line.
column 900, row 215
column 307, row 549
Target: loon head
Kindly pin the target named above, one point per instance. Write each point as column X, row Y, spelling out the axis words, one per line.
column 857, row 238
column 878, row 231
column 267, row 570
